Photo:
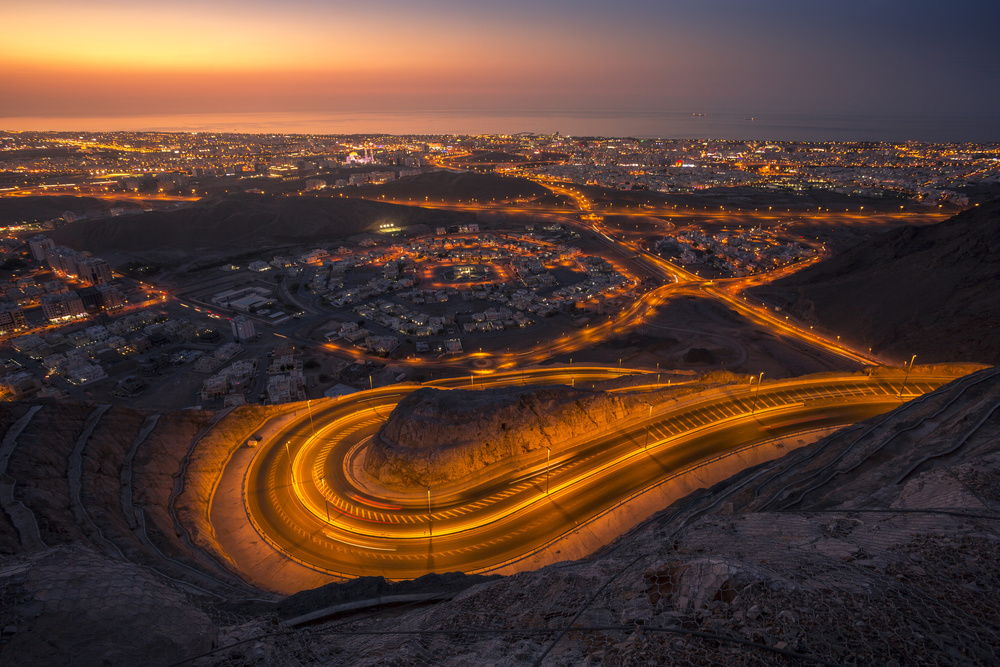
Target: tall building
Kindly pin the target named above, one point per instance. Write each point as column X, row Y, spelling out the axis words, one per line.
column 58, row 306
column 38, row 245
column 63, row 259
column 243, row 329
column 91, row 299
column 94, row 271
column 111, row 297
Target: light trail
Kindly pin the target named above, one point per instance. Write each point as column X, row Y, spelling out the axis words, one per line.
column 478, row 527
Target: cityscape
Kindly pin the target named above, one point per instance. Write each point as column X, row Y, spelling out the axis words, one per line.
column 705, row 374
column 73, row 322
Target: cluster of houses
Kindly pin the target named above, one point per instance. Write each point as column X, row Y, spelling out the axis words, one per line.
column 81, row 356
column 230, row 383
column 739, row 253
column 285, row 380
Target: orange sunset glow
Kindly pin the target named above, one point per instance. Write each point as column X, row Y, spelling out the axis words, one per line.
column 114, row 59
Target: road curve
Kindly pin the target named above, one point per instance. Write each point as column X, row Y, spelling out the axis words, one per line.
column 303, row 495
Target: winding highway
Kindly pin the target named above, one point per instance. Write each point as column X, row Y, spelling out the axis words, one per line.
column 307, row 496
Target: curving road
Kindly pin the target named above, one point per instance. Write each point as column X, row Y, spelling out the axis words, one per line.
column 307, row 497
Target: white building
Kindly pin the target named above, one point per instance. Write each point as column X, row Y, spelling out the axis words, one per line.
column 39, row 244
column 243, row 329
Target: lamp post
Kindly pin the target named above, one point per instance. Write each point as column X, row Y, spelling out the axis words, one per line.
column 291, row 468
column 548, row 462
column 906, row 376
column 648, row 419
column 753, row 408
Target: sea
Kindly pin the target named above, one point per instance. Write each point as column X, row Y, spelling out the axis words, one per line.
column 639, row 124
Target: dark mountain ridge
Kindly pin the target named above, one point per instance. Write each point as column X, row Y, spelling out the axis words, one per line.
column 933, row 290
column 243, row 221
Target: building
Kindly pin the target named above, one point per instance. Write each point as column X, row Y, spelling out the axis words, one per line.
column 286, row 388
column 91, row 299
column 61, row 306
column 111, row 297
column 94, row 271
column 85, row 374
column 38, row 245
column 243, row 329
column 101, row 297
column 214, row 387
column 380, row 177
column 16, row 386
column 11, row 317
column 63, row 260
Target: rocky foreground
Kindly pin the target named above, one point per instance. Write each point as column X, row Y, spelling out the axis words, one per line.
column 877, row 545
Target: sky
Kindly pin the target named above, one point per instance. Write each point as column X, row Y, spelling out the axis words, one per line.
column 112, row 59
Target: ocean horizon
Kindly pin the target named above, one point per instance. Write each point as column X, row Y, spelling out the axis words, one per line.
column 639, row 124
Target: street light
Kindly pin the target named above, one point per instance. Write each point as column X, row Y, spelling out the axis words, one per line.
column 430, row 522
column 291, row 468
column 548, row 464
column 906, row 376
column 648, row 419
column 753, row 407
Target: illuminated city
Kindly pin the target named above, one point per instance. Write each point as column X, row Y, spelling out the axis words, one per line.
column 706, row 375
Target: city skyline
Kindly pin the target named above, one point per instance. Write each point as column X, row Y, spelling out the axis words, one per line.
column 855, row 61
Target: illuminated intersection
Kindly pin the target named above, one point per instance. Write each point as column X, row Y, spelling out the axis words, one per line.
column 307, row 497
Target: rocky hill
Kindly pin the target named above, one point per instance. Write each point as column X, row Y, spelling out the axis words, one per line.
column 15, row 210
column 933, row 291
column 876, row 545
column 241, row 222
column 436, row 437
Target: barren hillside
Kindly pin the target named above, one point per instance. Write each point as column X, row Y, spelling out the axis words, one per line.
column 933, row 290
column 244, row 221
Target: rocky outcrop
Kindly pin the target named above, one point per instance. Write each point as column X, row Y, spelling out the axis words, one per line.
column 437, row 437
